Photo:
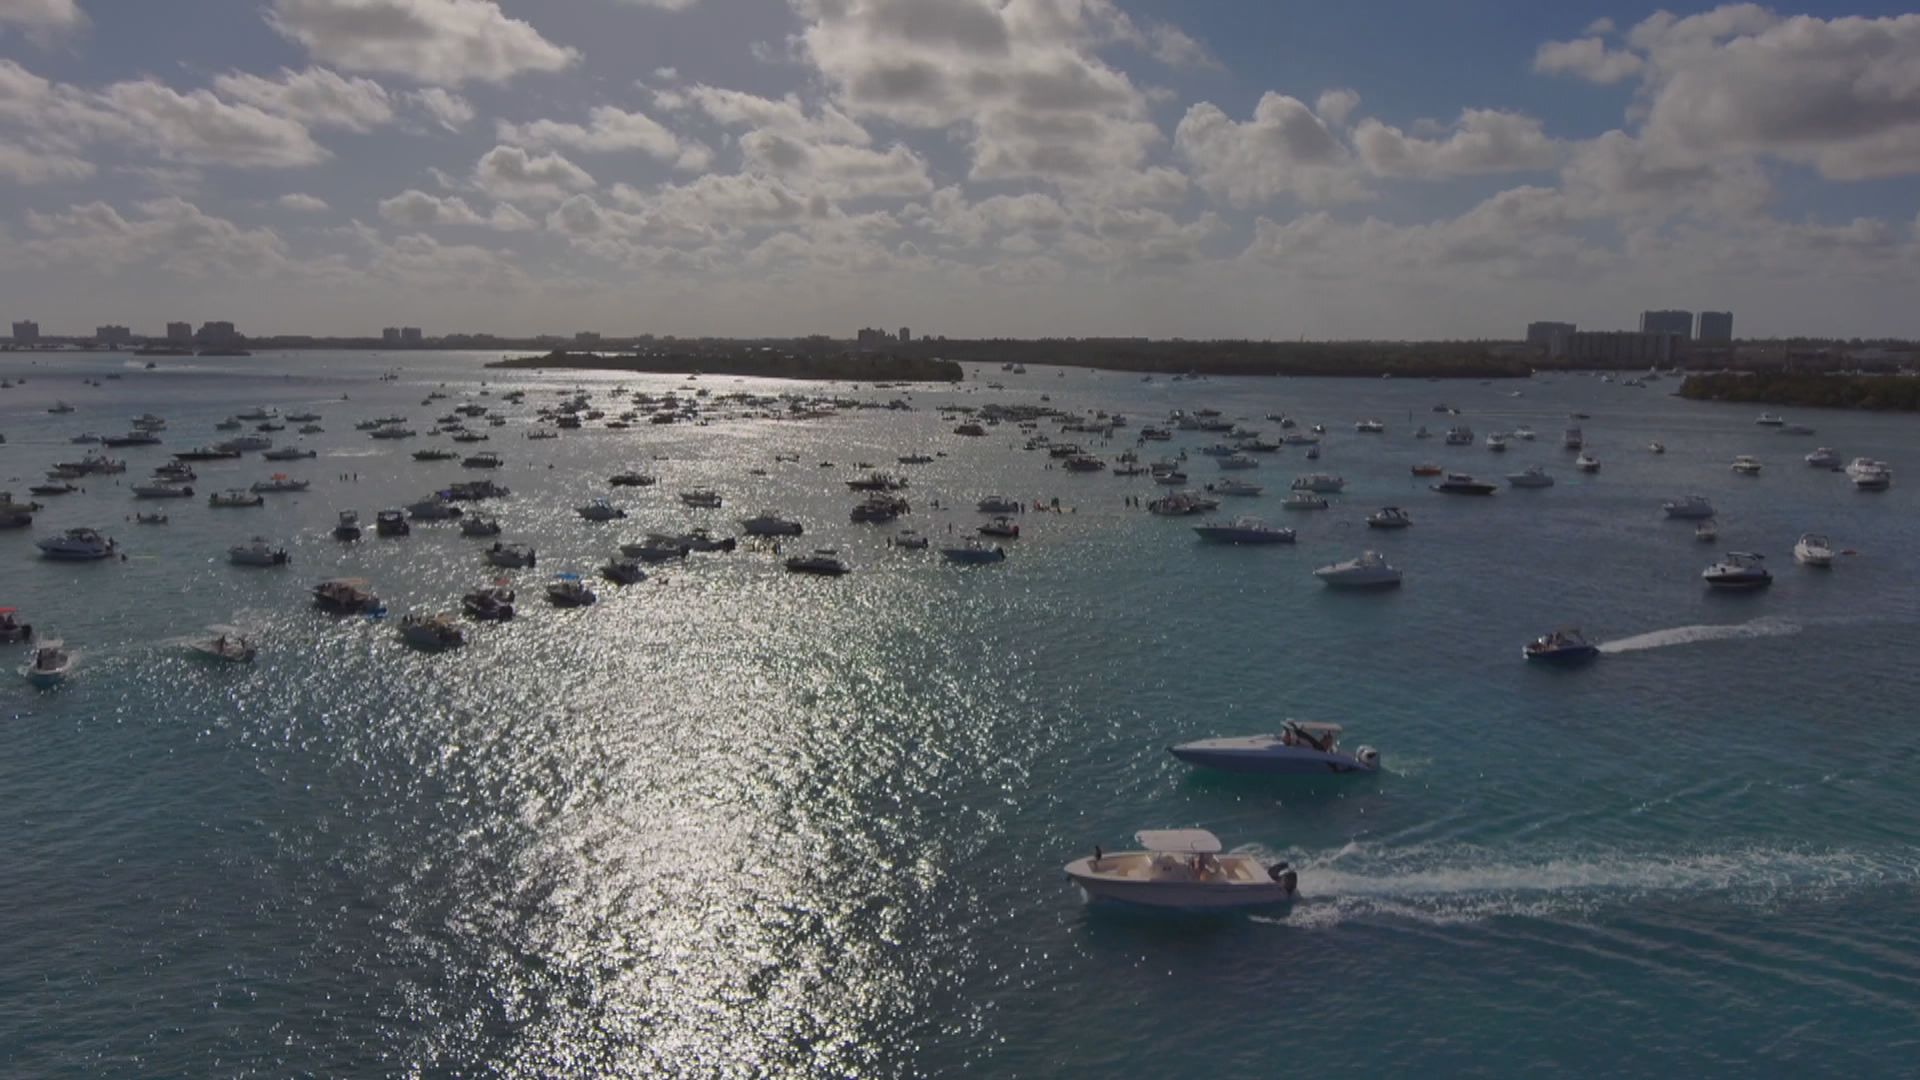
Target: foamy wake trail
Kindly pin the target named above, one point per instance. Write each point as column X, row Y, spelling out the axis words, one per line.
column 1444, row 885
column 1687, row 635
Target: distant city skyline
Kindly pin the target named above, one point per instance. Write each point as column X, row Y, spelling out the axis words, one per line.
column 1019, row 168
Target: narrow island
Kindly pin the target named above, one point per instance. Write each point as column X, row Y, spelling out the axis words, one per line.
column 757, row 363
column 1891, row 393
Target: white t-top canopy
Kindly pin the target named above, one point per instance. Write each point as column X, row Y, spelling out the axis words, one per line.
column 1182, row 841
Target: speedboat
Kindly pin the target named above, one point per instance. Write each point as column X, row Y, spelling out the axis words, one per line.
column 771, row 525
column 1746, row 465
column 1370, row 570
column 257, row 552
column 1245, row 530
column 279, row 482
column 1560, row 646
column 77, row 545
column 1768, row 419
column 1587, row 463
column 12, row 630
column 657, row 547
column 511, row 556
column 1812, row 549
column 1656, row 447
column 1388, row 517
column 348, row 526
column 1300, row 746
column 1706, row 532
column 227, row 645
column 701, row 498
column 1428, row 468
column 479, row 526
column 1688, row 508
column 1304, row 500
column 433, row 508
column 998, row 504
column 567, row 590
column 1738, row 570
column 1319, row 484
column 1238, row 488
column 1369, row 427
column 823, row 561
column 909, row 540
column 1183, row 869
column 391, row 523
column 234, row 498
column 48, row 664
column 1002, row 527
column 1824, row 458
column 154, row 518
column 601, row 510
column 1532, row 477
column 161, row 489
column 877, row 509
column 346, row 596
column 1462, row 484
column 432, row 632
column 623, row 572
column 1524, row 432
column 1869, row 475
column 974, row 553
column 704, row 540
column 290, row 453
column 1497, row 442
column 489, row 603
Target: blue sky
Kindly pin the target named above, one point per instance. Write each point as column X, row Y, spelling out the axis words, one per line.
column 1019, row 167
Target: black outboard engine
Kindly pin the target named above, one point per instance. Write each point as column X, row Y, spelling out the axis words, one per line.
column 1284, row 875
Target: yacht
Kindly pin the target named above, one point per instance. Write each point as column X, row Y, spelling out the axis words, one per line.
column 1244, row 530
column 1738, row 570
column 623, row 572
column 161, row 489
column 257, row 552
column 568, row 591
column 235, row 498
column 48, row 664
column 1319, row 484
column 1370, row 570
column 432, row 632
column 1178, row 504
column 77, row 545
column 1768, row 419
column 974, row 553
column 1812, row 549
column 1388, row 517
column 601, row 510
column 1183, row 869
column 1572, row 439
column 1496, row 442
column 701, row 498
column 290, row 453
column 1299, row 747
column 227, row 645
column 998, row 504
column 1560, row 647
column 391, row 523
column 1746, row 465
column 512, row 556
column 1532, row 477
column 1238, row 488
column 657, row 547
column 279, row 482
column 771, row 525
column 1688, row 508
column 1587, row 463
column 479, row 526
column 1462, row 484
column 1304, row 500
column 1824, row 458
column 345, row 596
column 347, row 527
column 1870, row 475
column 489, row 603
column 823, row 561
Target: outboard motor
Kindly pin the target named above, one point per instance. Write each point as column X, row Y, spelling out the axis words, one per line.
column 1284, row 875
column 1367, row 756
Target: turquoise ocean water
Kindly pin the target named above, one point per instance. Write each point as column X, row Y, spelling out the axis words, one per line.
column 735, row 823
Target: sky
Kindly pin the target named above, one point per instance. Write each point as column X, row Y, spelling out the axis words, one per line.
column 1395, row 169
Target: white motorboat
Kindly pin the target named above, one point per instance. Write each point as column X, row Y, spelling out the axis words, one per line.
column 1389, row 517
column 1824, row 458
column 1370, row 570
column 1497, row 442
column 1656, row 447
column 257, row 552
column 1532, row 477
column 1738, row 570
column 1245, row 530
column 161, row 489
column 432, row 632
column 824, row 562
column 770, row 524
column 1688, row 508
column 77, row 545
column 1369, row 427
column 1237, row 488
column 48, row 665
column 235, row 498
column 1299, row 747
column 1769, row 420
column 701, row 498
column 279, row 482
column 601, row 510
column 1462, row 484
column 1812, row 549
column 1869, row 475
column 1746, row 465
column 512, row 556
column 1304, row 500
column 1524, row 432
column 227, row 645
column 1319, row 484
column 1183, row 869
column 974, row 553
column 1587, row 463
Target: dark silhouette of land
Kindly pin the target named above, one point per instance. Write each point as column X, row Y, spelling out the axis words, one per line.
column 1895, row 393
column 760, row 363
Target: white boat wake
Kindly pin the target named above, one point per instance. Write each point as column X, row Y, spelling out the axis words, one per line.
column 1688, row 635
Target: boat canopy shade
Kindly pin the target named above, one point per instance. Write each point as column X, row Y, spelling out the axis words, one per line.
column 1181, row 841
column 1315, row 727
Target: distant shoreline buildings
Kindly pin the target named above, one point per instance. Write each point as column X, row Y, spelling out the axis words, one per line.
column 1664, row 337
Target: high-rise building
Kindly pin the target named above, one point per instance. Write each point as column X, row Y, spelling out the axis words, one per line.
column 1677, row 323
column 906, row 335
column 180, row 333
column 871, row 338
column 26, row 332
column 217, row 333
column 390, row 335
column 1553, row 337
column 1716, row 326
column 587, row 337
column 410, row 335
column 112, row 335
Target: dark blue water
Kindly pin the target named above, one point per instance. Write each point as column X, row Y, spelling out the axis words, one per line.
column 734, row 823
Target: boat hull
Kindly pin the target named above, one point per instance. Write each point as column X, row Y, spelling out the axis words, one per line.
column 1176, row 895
column 1292, row 761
